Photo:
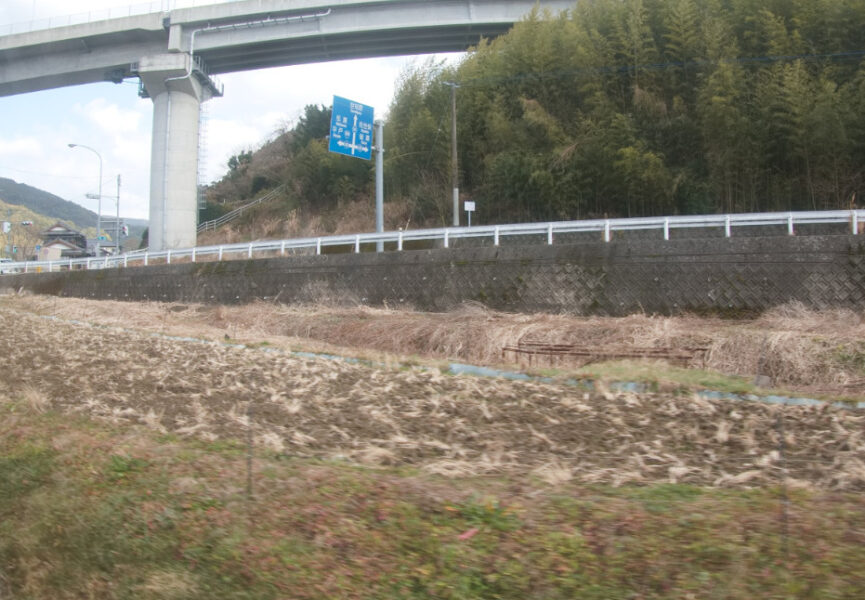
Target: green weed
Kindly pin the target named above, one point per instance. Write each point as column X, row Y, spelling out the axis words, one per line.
column 320, row 529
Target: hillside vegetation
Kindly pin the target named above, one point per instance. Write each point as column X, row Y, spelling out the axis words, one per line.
column 40, row 202
column 619, row 108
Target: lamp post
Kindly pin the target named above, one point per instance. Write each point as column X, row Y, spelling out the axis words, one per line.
column 117, row 222
column 99, row 209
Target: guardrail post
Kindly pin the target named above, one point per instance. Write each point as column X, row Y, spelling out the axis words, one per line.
column 219, row 256
column 727, row 226
column 446, row 239
column 145, row 259
column 168, row 258
column 70, row 264
column 399, row 242
column 125, row 260
column 317, row 246
column 790, row 224
column 496, row 236
column 357, row 244
column 50, row 266
column 105, row 264
column 88, row 264
column 666, row 230
column 549, row 234
column 25, row 267
column 193, row 255
column 249, row 251
column 854, row 222
column 282, row 248
column 607, row 230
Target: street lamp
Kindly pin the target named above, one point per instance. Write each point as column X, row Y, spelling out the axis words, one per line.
column 99, row 210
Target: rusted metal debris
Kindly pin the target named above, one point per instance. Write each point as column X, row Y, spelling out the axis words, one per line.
column 556, row 352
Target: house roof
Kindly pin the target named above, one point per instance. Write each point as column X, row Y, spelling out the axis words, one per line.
column 60, row 228
column 64, row 243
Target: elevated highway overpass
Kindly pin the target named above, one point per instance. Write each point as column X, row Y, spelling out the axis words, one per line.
column 176, row 53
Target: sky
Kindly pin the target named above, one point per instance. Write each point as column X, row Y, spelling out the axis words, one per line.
column 36, row 128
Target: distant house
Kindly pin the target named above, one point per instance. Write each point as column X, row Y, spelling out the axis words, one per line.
column 57, row 249
column 61, row 241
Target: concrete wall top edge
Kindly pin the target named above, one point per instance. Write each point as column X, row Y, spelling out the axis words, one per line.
column 108, row 27
column 250, row 8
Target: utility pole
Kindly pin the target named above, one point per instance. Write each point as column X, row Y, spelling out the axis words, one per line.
column 379, row 182
column 455, row 175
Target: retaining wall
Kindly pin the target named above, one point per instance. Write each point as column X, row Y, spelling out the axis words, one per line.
column 735, row 276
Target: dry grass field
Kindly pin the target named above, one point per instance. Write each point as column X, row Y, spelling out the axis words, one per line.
column 802, row 351
column 117, row 362
column 191, row 452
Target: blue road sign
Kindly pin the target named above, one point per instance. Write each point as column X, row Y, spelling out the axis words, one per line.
column 351, row 128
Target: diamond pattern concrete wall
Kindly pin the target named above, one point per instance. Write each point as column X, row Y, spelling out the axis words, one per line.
column 735, row 276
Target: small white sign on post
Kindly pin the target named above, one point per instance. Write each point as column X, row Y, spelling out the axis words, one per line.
column 470, row 208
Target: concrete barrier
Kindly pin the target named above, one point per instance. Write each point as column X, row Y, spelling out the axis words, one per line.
column 734, row 276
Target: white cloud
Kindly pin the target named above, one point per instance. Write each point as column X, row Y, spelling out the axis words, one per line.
column 21, row 147
column 225, row 138
column 110, row 118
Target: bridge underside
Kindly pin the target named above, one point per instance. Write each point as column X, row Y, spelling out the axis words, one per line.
column 298, row 51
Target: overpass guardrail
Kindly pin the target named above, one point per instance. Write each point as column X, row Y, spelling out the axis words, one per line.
column 396, row 240
column 115, row 12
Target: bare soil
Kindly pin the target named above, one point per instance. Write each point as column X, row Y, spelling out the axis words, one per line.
column 122, row 362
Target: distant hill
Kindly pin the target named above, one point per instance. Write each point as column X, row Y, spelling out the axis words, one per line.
column 41, row 202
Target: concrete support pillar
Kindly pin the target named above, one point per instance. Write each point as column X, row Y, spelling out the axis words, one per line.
column 177, row 95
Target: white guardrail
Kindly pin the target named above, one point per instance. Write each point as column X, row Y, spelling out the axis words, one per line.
column 230, row 216
column 606, row 227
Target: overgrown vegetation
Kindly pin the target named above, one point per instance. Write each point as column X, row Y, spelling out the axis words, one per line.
column 325, row 193
column 640, row 107
column 619, row 108
column 89, row 510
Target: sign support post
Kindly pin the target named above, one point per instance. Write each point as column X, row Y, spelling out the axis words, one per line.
column 470, row 208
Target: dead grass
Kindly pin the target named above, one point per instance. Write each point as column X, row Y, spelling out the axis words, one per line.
column 452, row 426
column 800, row 350
column 795, row 316
column 34, row 399
column 351, row 216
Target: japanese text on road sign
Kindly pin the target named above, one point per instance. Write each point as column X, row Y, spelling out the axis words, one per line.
column 351, row 128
